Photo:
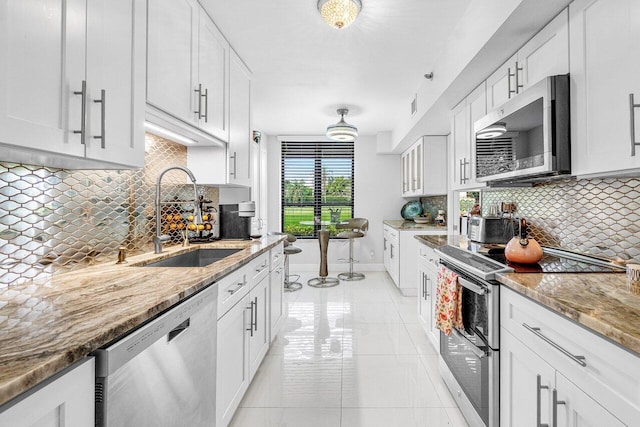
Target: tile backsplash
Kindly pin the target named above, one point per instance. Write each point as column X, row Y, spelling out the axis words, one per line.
column 593, row 216
column 54, row 220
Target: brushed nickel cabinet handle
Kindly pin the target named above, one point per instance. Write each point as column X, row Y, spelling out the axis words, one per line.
column 539, row 388
column 206, row 105
column 518, row 85
column 632, row 121
column 509, row 90
column 199, row 92
column 556, row 402
column 83, row 95
column 103, row 111
column 580, row 360
column 235, row 164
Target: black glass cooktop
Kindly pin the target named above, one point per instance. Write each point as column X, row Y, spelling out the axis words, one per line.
column 557, row 261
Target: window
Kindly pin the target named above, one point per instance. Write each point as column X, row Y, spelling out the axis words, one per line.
column 317, row 186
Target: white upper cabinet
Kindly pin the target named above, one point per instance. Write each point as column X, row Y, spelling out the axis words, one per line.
column 461, row 158
column 172, row 27
column 424, row 167
column 605, row 67
column 239, row 151
column 58, row 58
column 187, row 75
column 213, row 54
column 546, row 54
column 115, row 81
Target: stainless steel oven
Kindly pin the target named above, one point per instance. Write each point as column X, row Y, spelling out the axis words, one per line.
column 470, row 361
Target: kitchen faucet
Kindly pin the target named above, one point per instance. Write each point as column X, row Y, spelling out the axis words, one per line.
column 159, row 238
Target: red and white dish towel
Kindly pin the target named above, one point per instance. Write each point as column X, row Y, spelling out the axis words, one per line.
column 448, row 301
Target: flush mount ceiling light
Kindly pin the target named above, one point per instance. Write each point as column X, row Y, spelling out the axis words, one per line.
column 342, row 131
column 493, row 131
column 339, row 13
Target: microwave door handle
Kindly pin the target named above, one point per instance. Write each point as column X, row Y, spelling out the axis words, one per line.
column 474, row 348
column 472, row 286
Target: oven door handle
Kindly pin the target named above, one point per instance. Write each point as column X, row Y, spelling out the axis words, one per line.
column 472, row 286
column 474, row 348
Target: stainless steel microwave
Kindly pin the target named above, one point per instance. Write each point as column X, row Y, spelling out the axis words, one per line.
column 528, row 138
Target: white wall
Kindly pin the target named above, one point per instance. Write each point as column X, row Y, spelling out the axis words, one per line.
column 377, row 197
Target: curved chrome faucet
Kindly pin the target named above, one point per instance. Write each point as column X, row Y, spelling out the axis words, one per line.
column 159, row 238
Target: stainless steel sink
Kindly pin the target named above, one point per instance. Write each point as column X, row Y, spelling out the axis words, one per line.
column 197, row 258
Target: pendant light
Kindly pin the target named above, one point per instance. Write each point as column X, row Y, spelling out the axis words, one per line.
column 339, row 13
column 493, row 131
column 342, row 131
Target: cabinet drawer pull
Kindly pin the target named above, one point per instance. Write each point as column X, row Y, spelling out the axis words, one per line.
column 103, row 111
column 250, row 329
column 632, row 122
column 539, row 388
column 83, row 118
column 239, row 286
column 580, row 360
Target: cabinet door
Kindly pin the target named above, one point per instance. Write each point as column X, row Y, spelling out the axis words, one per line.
column 406, row 190
column 432, row 331
column 43, row 64
column 276, row 301
column 574, row 408
column 67, row 401
column 604, row 70
column 423, row 307
column 501, row 85
column 546, row 54
column 232, row 369
column 213, row 66
column 239, row 122
column 459, row 146
column 418, row 167
column 477, row 108
column 115, row 81
column 259, row 334
column 526, row 384
column 172, row 29
column 433, row 175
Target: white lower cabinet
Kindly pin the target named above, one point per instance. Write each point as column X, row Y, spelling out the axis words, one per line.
column 400, row 248
column 554, row 372
column 67, row 400
column 244, row 330
column 427, row 281
column 276, row 291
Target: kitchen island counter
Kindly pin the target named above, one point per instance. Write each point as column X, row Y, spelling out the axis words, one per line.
column 48, row 324
column 600, row 302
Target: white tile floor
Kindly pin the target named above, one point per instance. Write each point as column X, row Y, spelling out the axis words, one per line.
column 349, row 356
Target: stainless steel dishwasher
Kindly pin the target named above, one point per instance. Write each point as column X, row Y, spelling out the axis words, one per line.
column 164, row 373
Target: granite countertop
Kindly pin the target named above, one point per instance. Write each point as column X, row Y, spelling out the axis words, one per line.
column 403, row 225
column 600, row 302
column 48, row 324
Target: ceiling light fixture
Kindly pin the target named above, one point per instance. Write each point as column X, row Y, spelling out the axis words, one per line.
column 493, row 131
column 339, row 13
column 342, row 131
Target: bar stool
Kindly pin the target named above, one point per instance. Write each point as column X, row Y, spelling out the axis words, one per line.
column 322, row 281
column 356, row 228
column 289, row 249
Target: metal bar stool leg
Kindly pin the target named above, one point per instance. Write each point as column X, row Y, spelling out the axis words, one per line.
column 290, row 286
column 322, row 281
column 351, row 275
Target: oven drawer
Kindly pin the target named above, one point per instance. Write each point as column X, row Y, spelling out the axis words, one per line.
column 567, row 346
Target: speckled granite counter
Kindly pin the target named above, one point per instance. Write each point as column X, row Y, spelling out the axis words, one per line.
column 412, row 226
column 600, row 302
column 49, row 324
